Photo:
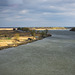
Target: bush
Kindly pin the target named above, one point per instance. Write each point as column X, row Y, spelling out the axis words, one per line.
column 43, row 34
column 14, row 29
column 73, row 29
column 23, row 29
column 38, row 32
column 46, row 31
column 19, row 28
column 33, row 33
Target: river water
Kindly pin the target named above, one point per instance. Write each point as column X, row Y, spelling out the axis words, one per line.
column 51, row 56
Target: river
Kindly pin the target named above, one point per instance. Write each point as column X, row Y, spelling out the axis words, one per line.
column 51, row 56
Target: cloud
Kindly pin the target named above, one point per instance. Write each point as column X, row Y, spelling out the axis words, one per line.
column 15, row 2
column 6, row 11
column 64, row 13
column 3, row 2
column 38, row 11
column 10, row 2
column 19, row 19
column 57, row 8
column 23, row 11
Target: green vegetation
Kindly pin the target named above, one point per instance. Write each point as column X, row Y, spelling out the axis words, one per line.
column 73, row 29
column 23, row 29
column 8, row 38
column 43, row 34
column 14, row 29
column 46, row 31
column 33, row 33
column 15, row 37
column 37, row 32
column 48, row 28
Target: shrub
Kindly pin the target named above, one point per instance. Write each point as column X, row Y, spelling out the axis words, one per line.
column 23, row 29
column 46, row 31
column 38, row 32
column 14, row 29
column 43, row 34
column 33, row 33
column 18, row 28
column 73, row 29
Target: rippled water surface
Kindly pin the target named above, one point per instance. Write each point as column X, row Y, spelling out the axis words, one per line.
column 51, row 56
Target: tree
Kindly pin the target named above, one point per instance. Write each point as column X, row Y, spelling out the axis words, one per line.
column 46, row 31
column 14, row 29
column 43, row 34
column 25, row 29
column 33, row 33
column 73, row 29
column 38, row 32
column 19, row 28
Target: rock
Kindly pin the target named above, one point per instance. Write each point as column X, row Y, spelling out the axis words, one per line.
column 49, row 35
column 29, row 39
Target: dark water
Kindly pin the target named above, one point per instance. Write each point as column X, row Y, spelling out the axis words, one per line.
column 51, row 56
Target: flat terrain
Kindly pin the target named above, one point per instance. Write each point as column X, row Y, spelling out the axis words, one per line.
column 7, row 37
column 51, row 56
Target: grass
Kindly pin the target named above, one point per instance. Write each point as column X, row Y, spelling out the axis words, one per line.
column 11, row 38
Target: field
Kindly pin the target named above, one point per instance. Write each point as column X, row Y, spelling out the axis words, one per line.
column 10, row 37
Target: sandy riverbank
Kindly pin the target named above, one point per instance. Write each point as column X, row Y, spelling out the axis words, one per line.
column 10, row 38
column 6, row 42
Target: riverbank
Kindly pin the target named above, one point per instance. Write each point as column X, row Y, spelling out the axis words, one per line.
column 37, row 28
column 11, row 38
column 8, row 45
column 5, row 44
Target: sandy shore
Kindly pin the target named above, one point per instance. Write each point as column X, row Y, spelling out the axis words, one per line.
column 51, row 29
column 54, row 28
column 6, row 42
column 6, row 28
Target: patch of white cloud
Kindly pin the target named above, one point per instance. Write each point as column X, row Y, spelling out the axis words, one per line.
column 64, row 13
column 6, row 11
column 18, row 18
column 23, row 11
column 57, row 8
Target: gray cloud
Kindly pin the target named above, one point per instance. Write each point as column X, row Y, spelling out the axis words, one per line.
column 37, row 11
column 12, row 2
column 3, row 2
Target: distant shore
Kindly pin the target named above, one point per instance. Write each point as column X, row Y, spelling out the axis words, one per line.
column 39, row 28
column 51, row 29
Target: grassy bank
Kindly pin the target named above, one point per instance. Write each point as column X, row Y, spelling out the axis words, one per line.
column 13, row 38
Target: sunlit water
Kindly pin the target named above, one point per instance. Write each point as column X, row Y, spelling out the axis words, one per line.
column 51, row 56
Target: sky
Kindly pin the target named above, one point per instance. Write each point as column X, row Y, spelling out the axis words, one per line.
column 37, row 13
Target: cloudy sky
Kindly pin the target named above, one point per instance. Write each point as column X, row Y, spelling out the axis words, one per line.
column 37, row 13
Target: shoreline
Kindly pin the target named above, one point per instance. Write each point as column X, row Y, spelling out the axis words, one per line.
column 51, row 29
column 18, row 44
column 36, row 28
